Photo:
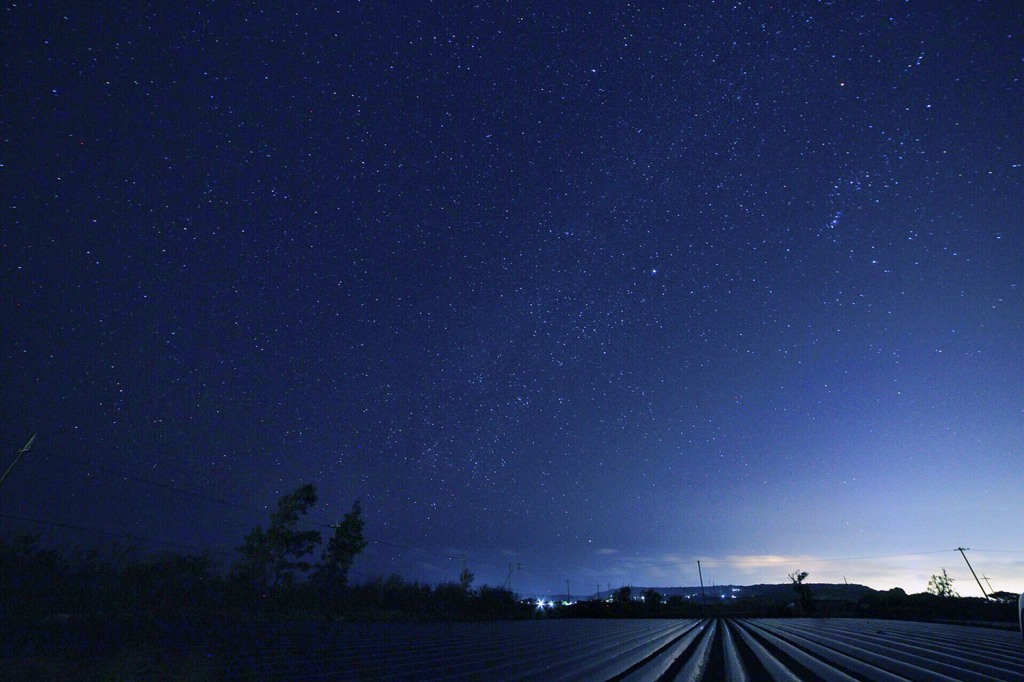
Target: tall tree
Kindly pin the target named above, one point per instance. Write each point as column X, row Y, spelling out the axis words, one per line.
column 942, row 585
column 802, row 590
column 273, row 556
column 342, row 549
column 652, row 600
column 466, row 579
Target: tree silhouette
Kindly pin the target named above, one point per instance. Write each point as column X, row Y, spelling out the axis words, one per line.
column 623, row 595
column 652, row 600
column 342, row 549
column 942, row 585
column 802, row 590
column 270, row 558
column 466, row 578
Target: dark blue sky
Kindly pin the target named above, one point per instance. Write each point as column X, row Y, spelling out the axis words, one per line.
column 598, row 291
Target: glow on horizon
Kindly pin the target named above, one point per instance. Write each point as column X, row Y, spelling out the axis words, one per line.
column 1001, row 571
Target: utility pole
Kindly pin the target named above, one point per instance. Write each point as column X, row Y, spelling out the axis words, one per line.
column 568, row 594
column 985, row 578
column 703, row 598
column 508, row 578
column 25, row 448
column 961, row 550
column 599, row 592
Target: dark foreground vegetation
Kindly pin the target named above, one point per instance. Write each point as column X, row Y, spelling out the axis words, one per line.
column 115, row 610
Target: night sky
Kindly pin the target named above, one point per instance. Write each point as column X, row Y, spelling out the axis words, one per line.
column 594, row 289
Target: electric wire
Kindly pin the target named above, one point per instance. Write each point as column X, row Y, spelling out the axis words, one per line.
column 527, row 568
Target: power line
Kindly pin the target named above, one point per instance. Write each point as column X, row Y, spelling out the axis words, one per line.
column 228, row 503
column 416, row 549
column 517, row 566
column 819, row 560
column 158, row 484
column 169, row 543
column 235, row 505
column 537, row 570
column 123, row 536
column 890, row 556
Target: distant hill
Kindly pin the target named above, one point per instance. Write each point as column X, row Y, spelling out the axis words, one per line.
column 782, row 593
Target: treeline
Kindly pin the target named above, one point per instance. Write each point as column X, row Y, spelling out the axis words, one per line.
column 111, row 612
column 893, row 604
column 278, row 573
column 897, row 604
column 42, row 584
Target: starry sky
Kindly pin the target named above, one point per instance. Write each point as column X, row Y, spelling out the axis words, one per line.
column 591, row 290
